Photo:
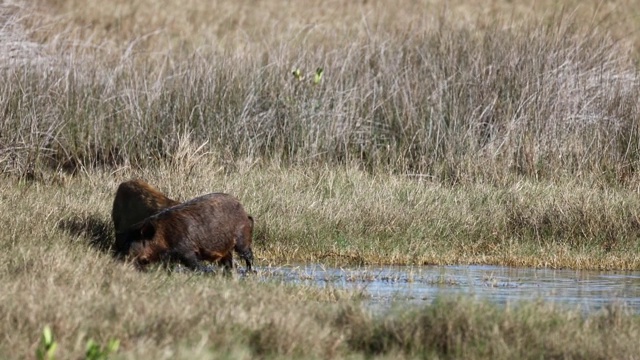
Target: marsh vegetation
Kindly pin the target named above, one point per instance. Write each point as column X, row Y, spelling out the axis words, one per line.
column 440, row 132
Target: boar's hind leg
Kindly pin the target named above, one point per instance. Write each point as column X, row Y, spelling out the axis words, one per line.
column 247, row 255
column 243, row 246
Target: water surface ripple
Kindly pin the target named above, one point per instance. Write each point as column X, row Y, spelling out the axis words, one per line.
column 384, row 285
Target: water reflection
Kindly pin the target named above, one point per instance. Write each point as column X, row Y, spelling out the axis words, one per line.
column 590, row 290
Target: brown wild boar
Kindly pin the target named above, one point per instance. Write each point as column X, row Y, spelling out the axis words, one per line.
column 135, row 201
column 207, row 228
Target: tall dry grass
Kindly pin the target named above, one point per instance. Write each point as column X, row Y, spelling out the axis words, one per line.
column 407, row 91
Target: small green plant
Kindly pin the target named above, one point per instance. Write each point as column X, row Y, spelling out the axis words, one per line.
column 48, row 346
column 96, row 352
column 317, row 76
column 297, row 74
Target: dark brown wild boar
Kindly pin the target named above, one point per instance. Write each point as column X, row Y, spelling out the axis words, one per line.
column 135, row 201
column 207, row 228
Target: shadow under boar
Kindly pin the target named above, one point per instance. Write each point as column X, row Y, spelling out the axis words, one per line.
column 135, row 201
column 207, row 228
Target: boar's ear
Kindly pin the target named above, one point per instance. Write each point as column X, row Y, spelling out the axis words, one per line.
column 147, row 231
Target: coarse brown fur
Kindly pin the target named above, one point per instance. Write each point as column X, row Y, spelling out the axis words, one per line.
column 207, row 228
column 135, row 201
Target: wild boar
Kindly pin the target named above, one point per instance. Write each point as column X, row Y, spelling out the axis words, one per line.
column 207, row 228
column 135, row 201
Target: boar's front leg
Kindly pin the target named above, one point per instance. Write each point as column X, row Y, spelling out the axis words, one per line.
column 189, row 259
column 227, row 262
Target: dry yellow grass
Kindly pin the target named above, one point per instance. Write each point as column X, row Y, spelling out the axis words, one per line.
column 57, row 271
column 449, row 91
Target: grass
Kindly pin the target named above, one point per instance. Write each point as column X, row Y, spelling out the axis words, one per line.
column 543, row 98
column 58, row 270
column 441, row 133
column 346, row 216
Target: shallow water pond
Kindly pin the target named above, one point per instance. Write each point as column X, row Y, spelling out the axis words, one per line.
column 384, row 285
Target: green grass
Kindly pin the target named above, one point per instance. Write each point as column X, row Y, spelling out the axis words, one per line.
column 440, row 133
column 345, row 216
column 56, row 269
